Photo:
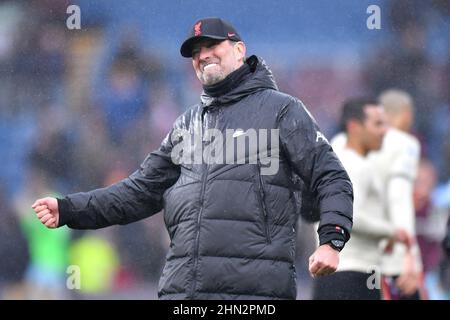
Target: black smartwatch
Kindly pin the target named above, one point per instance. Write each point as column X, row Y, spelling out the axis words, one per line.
column 336, row 244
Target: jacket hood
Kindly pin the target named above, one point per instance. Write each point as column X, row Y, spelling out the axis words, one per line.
column 260, row 78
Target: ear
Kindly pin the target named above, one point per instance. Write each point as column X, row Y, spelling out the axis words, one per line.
column 240, row 50
column 353, row 126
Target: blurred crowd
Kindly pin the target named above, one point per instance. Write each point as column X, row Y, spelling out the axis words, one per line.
column 77, row 113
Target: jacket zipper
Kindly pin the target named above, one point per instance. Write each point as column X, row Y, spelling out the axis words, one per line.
column 197, row 237
column 199, row 220
column 262, row 205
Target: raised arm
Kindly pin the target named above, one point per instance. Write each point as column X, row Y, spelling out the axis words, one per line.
column 134, row 198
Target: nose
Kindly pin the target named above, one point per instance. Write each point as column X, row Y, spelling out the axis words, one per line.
column 204, row 53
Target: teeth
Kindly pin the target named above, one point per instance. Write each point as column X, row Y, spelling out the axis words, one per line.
column 209, row 65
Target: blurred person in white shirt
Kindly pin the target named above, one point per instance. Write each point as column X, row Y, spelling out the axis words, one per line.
column 394, row 169
column 365, row 125
column 396, row 164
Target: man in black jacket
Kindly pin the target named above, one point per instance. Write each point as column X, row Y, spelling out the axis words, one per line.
column 231, row 214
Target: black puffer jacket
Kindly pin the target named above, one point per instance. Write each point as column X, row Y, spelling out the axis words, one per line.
column 232, row 229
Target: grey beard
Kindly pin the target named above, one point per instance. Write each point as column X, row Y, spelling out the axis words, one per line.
column 212, row 79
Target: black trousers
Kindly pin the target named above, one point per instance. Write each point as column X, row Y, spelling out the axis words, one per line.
column 344, row 285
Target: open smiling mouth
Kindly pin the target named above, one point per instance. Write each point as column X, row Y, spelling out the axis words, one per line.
column 209, row 66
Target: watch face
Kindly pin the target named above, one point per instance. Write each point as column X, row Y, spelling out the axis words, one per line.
column 337, row 243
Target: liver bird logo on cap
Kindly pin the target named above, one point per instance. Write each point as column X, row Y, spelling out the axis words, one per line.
column 197, row 30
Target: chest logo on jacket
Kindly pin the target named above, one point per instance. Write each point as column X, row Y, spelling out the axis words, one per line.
column 213, row 146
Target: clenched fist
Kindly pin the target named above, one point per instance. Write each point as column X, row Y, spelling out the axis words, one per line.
column 47, row 211
column 323, row 261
